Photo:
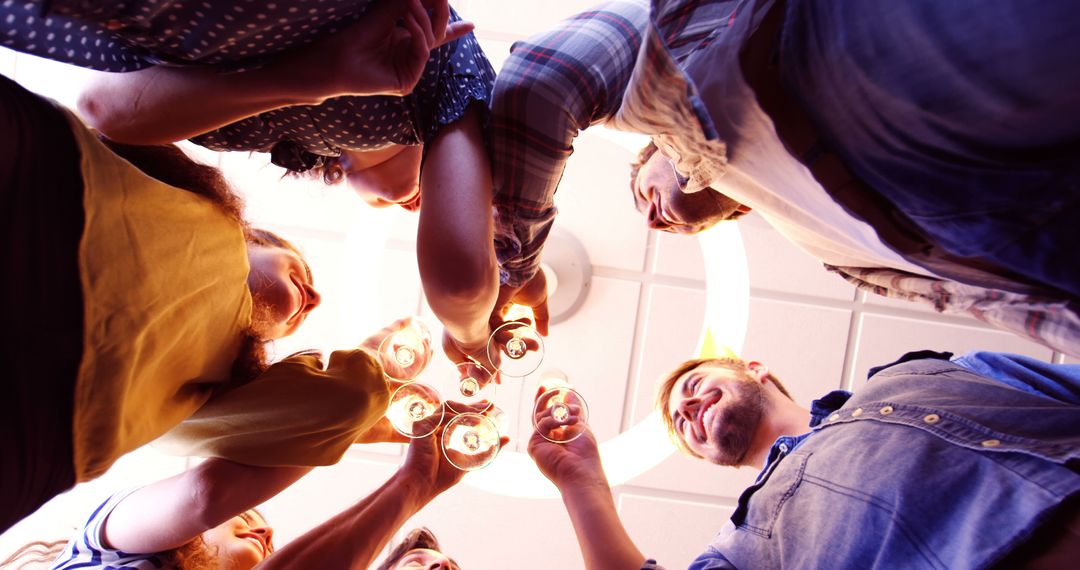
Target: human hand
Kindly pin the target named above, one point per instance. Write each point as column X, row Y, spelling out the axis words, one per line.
column 476, row 357
column 532, row 294
column 384, row 53
column 427, row 465
column 390, row 366
column 569, row 465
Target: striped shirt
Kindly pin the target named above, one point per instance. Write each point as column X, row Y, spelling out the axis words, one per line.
column 86, row 550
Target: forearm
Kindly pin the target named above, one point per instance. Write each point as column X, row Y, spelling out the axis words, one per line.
column 192, row 502
column 163, row 104
column 355, row 537
column 603, row 540
column 454, row 238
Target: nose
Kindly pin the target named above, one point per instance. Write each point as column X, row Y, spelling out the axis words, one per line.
column 313, row 297
column 264, row 531
column 688, row 408
column 439, row 563
column 655, row 221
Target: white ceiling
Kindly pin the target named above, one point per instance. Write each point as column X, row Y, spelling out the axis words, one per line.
column 643, row 315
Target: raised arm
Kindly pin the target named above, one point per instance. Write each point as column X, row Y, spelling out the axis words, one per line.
column 552, row 86
column 372, row 57
column 356, row 536
column 186, row 505
column 454, row 237
column 575, row 469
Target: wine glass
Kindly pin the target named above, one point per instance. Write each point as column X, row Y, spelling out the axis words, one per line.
column 560, row 413
column 474, row 384
column 471, row 441
column 515, row 347
column 406, row 353
column 415, row 410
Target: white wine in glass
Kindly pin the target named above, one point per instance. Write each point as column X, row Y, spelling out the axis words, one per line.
column 471, row 441
column 473, row 385
column 515, row 347
column 560, row 413
column 407, row 352
column 415, row 410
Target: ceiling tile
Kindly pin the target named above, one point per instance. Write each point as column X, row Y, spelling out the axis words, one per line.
column 802, row 344
column 682, row 473
column 595, row 204
column 673, row 322
column 673, row 546
column 777, row 264
column 885, row 338
column 678, row 256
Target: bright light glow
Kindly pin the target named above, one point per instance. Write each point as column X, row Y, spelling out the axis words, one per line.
column 646, row 444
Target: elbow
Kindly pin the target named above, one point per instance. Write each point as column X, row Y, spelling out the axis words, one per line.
column 96, row 113
column 110, row 119
column 208, row 488
column 461, row 282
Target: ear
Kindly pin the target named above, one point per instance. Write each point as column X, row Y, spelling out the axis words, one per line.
column 757, row 371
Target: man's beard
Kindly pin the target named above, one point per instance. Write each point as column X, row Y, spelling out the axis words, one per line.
column 739, row 422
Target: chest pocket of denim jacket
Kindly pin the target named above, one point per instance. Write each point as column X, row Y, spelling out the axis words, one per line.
column 760, row 504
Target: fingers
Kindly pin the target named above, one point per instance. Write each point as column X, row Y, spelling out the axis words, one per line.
column 440, row 15
column 540, row 312
column 456, row 30
column 419, row 14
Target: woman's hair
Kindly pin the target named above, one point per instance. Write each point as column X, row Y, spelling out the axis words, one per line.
column 193, row 555
column 417, row 538
column 170, row 165
column 35, row 553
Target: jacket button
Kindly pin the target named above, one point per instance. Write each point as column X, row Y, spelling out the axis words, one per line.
column 886, row 410
column 991, row 443
column 931, row 418
column 856, row 413
column 834, row 417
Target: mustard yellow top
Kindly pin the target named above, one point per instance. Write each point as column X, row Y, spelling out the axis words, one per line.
column 164, row 279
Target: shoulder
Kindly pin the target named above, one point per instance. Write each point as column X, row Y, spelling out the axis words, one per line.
column 87, row 550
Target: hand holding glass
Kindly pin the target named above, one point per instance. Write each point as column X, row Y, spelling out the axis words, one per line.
column 406, row 353
column 560, row 414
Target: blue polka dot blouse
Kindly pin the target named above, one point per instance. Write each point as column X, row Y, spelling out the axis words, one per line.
column 242, row 34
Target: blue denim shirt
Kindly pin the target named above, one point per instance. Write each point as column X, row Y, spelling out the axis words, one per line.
column 934, row 464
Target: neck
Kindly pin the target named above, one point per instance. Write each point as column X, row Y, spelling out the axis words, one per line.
column 781, row 417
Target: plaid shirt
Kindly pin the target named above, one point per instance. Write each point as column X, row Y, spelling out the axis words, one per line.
column 1050, row 322
column 562, row 81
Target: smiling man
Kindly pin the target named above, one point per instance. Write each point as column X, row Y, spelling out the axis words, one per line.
column 881, row 191
column 938, row 462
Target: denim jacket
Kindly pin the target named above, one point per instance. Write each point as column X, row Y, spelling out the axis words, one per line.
column 934, row 464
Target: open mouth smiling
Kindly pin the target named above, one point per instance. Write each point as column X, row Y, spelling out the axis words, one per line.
column 706, row 415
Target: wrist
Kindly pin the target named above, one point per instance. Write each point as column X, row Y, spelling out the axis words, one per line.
column 414, row 488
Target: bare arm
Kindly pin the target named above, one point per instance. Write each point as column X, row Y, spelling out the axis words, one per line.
column 186, row 505
column 575, row 469
column 354, row 538
column 373, row 57
column 454, row 239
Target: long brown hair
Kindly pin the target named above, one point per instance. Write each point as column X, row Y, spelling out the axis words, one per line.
column 195, row 554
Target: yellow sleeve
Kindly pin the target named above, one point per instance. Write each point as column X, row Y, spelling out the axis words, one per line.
column 295, row 413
